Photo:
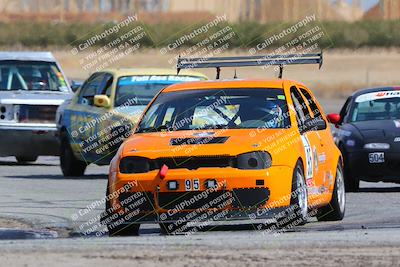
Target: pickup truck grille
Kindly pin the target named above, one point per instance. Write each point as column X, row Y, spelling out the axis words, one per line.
column 37, row 113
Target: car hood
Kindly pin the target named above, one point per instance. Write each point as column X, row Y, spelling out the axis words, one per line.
column 34, row 97
column 378, row 130
column 204, row 143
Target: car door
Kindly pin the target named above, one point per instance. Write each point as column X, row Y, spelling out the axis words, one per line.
column 105, row 123
column 322, row 154
column 83, row 119
column 310, row 142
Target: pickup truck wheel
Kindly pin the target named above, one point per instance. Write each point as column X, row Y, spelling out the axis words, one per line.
column 25, row 159
column 70, row 165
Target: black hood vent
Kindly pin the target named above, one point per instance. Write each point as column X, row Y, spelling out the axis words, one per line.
column 198, row 141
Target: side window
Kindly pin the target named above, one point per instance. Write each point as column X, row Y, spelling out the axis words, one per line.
column 317, row 121
column 107, row 85
column 344, row 112
column 315, row 111
column 90, row 88
column 299, row 104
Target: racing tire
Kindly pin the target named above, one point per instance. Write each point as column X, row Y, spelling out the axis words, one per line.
column 297, row 213
column 351, row 182
column 70, row 165
column 122, row 229
column 26, row 159
column 335, row 210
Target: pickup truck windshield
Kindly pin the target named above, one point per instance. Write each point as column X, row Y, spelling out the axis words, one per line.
column 31, row 76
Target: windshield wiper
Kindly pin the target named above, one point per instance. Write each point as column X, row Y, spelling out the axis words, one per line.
column 220, row 126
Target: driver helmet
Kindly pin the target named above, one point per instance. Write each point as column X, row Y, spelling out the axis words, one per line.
column 275, row 114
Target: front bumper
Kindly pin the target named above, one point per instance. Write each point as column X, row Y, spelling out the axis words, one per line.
column 360, row 167
column 28, row 140
column 240, row 194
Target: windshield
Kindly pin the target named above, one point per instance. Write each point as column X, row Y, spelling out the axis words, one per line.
column 140, row 90
column 31, row 76
column 217, row 109
column 378, row 106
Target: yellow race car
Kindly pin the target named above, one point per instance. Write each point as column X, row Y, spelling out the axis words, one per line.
column 103, row 112
column 227, row 150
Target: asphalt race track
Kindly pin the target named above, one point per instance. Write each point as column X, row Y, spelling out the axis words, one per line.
column 44, row 204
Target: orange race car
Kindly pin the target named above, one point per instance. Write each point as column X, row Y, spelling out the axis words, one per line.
column 226, row 150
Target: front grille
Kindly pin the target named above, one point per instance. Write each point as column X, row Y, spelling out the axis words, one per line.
column 250, row 197
column 37, row 113
column 194, row 200
column 195, row 162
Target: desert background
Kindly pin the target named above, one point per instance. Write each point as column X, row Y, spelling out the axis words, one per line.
column 361, row 45
column 343, row 71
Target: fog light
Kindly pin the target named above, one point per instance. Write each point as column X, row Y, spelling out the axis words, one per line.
column 211, row 184
column 172, row 185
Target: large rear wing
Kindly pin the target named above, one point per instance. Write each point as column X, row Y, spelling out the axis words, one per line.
column 247, row 61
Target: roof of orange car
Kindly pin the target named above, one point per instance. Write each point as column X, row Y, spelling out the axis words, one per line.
column 219, row 84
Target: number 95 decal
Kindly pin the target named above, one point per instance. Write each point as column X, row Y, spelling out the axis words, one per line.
column 192, row 185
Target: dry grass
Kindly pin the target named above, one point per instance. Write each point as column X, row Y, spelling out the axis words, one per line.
column 343, row 71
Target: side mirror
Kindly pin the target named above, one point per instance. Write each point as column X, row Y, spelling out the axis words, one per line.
column 334, row 118
column 75, row 85
column 102, row 101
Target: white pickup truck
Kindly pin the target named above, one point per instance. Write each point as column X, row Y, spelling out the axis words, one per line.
column 32, row 86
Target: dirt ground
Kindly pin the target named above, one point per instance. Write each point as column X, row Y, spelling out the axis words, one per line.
column 354, row 248
column 343, row 71
column 11, row 223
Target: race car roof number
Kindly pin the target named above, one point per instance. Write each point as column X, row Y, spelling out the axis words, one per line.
column 377, row 95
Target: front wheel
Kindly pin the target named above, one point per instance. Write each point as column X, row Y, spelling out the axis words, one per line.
column 297, row 213
column 70, row 165
column 351, row 182
column 335, row 210
column 115, row 228
column 123, row 230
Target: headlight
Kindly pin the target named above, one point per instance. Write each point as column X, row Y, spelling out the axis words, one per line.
column 134, row 165
column 7, row 112
column 254, row 161
column 377, row 146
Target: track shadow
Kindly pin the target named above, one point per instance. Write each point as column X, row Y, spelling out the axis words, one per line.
column 380, row 190
column 59, row 177
column 14, row 163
